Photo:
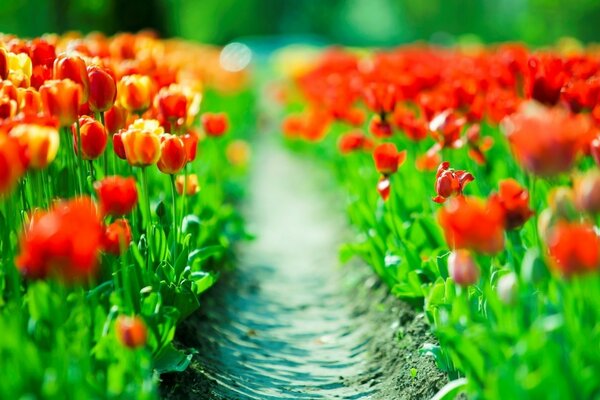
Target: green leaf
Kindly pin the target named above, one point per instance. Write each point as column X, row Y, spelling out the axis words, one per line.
column 171, row 360
column 451, row 390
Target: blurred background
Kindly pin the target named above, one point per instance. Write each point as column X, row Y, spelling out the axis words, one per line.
column 350, row 22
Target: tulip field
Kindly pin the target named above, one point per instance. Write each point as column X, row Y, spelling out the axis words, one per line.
column 469, row 176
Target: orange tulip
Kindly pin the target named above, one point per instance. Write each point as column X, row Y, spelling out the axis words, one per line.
column 30, row 101
column 131, row 331
column 574, row 248
column 68, row 66
column 11, row 165
column 191, row 185
column 93, row 138
column 470, row 223
column 135, row 92
column 40, row 143
column 142, row 143
column 61, row 99
column 172, row 154
column 117, row 237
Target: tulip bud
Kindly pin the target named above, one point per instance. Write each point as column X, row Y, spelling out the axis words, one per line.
column 215, row 124
column 587, row 192
column 462, row 268
column 172, row 154
column 135, row 92
column 131, row 331
column 117, row 237
column 115, row 119
column 190, row 141
column 238, row 153
column 103, row 89
column 141, row 142
column 117, row 195
column 507, row 288
column 93, row 138
column 387, row 158
column 61, row 99
column 40, row 142
column 190, row 187
column 67, row 66
column 20, row 69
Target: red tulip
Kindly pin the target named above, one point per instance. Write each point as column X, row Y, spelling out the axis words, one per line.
column 93, row 138
column 449, row 182
column 117, row 237
column 103, row 89
column 73, row 67
column 172, row 154
column 215, row 124
column 61, row 99
column 380, row 127
column 470, row 223
column 11, row 165
column 4, row 69
column 131, row 331
column 115, row 119
column 117, row 195
column 190, row 141
column 384, row 187
column 64, row 241
column 544, row 78
column 574, row 248
column 354, row 141
column 514, row 200
column 387, row 158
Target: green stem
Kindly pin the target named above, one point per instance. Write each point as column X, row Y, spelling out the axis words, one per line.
column 80, row 160
column 148, row 221
column 175, row 232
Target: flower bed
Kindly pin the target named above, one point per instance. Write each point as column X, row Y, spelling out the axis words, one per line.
column 473, row 185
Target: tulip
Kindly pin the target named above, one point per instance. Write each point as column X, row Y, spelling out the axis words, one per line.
column 41, row 143
column 215, row 124
column 64, row 241
column 20, row 69
column 574, row 248
column 131, row 331
column 30, row 101
column 103, row 89
column 383, row 187
column 470, row 223
column 117, row 195
column 449, row 182
column 379, row 127
column 190, row 141
column 117, row 237
column 514, row 200
column 190, row 187
column 595, row 150
column 172, row 104
column 135, row 92
column 463, row 268
column 544, row 78
column 42, row 53
column 587, row 192
column 238, row 153
column 4, row 68
column 11, row 165
column 172, row 154
column 115, row 119
column 141, row 142
column 387, row 158
column 93, row 138
column 354, row 141
column 381, row 97
column 61, row 99
column 118, row 145
column 67, row 66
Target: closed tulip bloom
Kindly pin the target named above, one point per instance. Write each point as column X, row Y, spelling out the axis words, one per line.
column 11, row 165
column 141, row 142
column 507, row 288
column 30, row 101
column 118, row 145
column 172, row 154
column 587, row 192
column 103, row 89
column 131, row 331
column 93, row 138
column 117, row 237
column 463, row 268
column 190, row 141
column 574, row 248
column 215, row 124
column 172, row 103
column 472, row 224
column 135, row 92
column 69, row 66
column 117, row 195
column 64, row 241
column 61, row 99
column 20, row 69
column 40, row 143
column 115, row 119
column 387, row 158
column 190, row 187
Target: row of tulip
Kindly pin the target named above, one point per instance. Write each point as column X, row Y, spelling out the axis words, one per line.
column 474, row 189
column 102, row 254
